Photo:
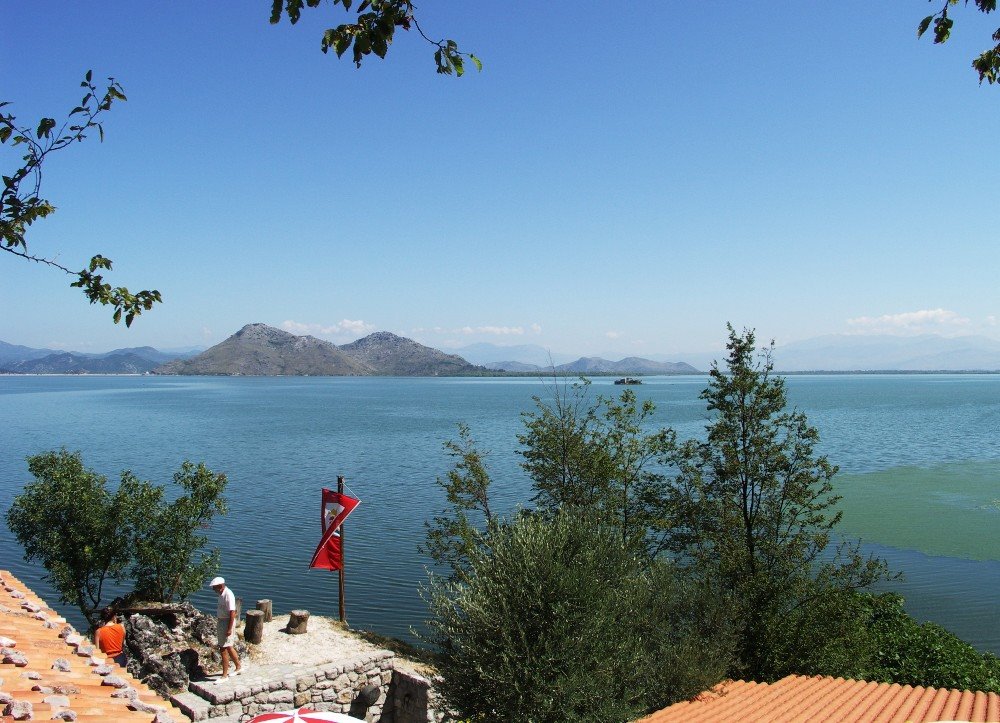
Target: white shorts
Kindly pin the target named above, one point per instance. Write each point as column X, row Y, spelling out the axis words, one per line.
column 221, row 629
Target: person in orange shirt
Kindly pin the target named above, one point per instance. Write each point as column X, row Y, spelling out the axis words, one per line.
column 110, row 637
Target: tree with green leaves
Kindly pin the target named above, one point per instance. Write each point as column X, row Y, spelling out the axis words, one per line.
column 21, row 203
column 597, row 455
column 65, row 520
column 452, row 535
column 558, row 620
column 88, row 537
column 753, row 507
column 373, row 31
column 168, row 557
column 987, row 63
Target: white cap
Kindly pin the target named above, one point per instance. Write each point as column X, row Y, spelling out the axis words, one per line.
column 217, row 581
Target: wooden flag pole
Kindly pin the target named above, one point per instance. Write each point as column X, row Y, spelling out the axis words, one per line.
column 340, row 573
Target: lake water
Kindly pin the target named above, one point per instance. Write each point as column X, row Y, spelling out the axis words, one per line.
column 919, row 458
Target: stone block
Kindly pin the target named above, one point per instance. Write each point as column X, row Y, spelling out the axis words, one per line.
column 193, row 706
column 281, row 696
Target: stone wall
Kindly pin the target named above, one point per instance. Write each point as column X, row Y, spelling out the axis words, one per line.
column 403, row 697
column 412, row 699
column 330, row 687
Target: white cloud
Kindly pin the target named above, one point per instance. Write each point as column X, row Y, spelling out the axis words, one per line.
column 612, row 334
column 536, row 328
column 345, row 327
column 991, row 320
column 910, row 322
column 493, row 330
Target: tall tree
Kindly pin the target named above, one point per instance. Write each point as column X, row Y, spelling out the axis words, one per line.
column 597, row 455
column 753, row 505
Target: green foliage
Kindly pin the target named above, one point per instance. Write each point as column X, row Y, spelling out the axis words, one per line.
column 909, row 653
column 452, row 536
column 21, row 203
column 571, row 611
column 753, row 506
column 987, row 63
column 373, row 31
column 67, row 520
column 86, row 536
column 557, row 620
column 166, row 534
column 597, row 456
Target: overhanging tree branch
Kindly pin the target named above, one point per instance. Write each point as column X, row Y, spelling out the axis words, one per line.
column 373, row 32
column 987, row 64
column 21, row 203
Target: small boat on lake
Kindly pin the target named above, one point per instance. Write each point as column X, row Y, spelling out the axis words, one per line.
column 628, row 380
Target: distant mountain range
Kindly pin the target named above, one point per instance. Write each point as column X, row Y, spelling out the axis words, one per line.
column 25, row 360
column 927, row 352
column 596, row 365
column 534, row 358
column 261, row 350
column 258, row 349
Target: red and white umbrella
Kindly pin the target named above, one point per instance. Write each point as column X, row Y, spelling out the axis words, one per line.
column 304, row 715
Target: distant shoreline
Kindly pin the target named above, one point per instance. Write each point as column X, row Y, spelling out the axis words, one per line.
column 498, row 374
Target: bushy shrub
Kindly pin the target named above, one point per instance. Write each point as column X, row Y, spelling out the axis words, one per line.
column 557, row 620
column 910, row 653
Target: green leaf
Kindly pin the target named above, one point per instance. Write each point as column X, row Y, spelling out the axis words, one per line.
column 45, row 127
column 924, row 24
column 5, row 132
column 90, row 75
column 118, row 315
column 477, row 61
column 342, row 44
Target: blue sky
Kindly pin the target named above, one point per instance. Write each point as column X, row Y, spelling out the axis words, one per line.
column 622, row 177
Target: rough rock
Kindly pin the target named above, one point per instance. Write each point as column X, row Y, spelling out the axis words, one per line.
column 15, row 658
column 168, row 645
column 19, row 710
column 115, row 681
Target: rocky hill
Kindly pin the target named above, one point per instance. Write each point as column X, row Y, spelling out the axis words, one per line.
column 392, row 355
column 261, row 350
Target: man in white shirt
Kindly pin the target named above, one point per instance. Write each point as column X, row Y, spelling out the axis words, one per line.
column 226, row 613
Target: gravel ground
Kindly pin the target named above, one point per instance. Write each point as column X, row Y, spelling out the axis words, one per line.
column 324, row 641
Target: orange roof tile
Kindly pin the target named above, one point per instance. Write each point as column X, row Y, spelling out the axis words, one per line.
column 35, row 630
column 802, row 699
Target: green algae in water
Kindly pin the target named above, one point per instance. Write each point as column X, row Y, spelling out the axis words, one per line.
column 950, row 509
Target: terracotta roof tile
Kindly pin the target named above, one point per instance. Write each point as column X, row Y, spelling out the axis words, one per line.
column 37, row 637
column 803, row 699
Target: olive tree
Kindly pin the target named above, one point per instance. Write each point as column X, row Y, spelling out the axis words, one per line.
column 558, row 620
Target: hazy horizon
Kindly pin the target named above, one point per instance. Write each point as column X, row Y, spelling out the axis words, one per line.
column 574, row 194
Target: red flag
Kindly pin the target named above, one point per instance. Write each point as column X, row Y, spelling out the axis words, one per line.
column 336, row 507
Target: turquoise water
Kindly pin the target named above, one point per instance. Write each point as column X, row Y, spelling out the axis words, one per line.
column 919, row 455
